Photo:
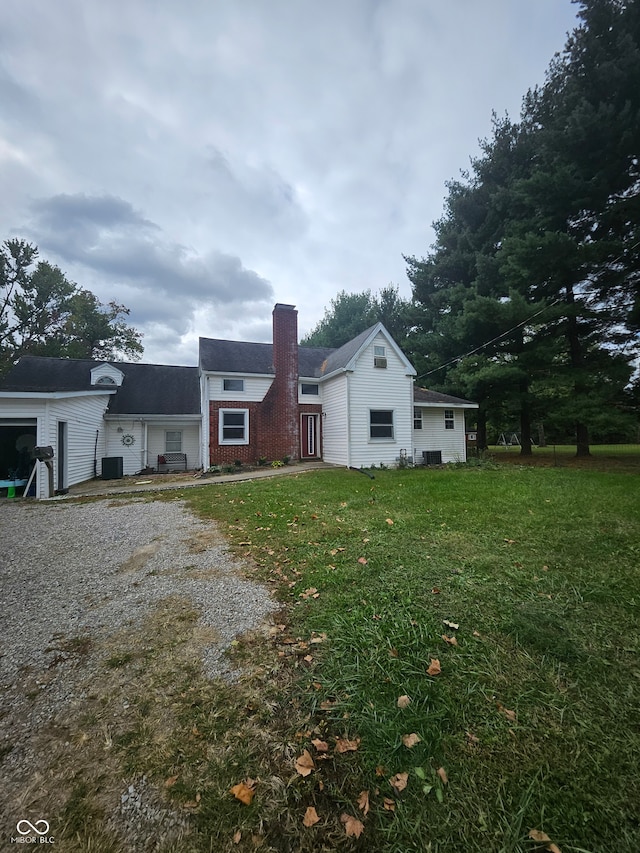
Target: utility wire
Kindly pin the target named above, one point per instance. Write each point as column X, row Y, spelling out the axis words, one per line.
column 524, row 322
column 493, row 340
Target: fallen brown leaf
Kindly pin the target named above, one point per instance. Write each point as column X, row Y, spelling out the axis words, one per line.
column 244, row 792
column 304, row 763
column 363, row 802
column 344, row 745
column 434, row 667
column 320, row 745
column 389, row 804
column 399, row 781
column 237, row 837
column 403, row 701
column 543, row 838
column 310, row 817
column 510, row 715
column 411, row 740
column 352, row 826
column 170, row 782
column 442, row 773
column 451, row 640
column 380, row 771
column 363, row 561
column 389, row 520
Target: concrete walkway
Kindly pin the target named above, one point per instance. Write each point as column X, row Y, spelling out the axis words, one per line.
column 162, row 482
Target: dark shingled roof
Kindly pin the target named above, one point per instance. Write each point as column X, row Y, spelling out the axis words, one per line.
column 423, row 395
column 242, row 357
column 147, row 389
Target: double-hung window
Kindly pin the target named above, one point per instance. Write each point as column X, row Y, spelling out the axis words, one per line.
column 449, row 422
column 173, row 441
column 381, row 424
column 417, row 418
column 233, row 426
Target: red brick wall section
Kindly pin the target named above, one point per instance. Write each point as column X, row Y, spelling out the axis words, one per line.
column 274, row 424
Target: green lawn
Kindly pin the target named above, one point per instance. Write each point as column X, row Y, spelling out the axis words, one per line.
column 532, row 723
column 535, row 713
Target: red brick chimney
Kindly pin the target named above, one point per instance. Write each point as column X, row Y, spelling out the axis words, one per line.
column 280, row 433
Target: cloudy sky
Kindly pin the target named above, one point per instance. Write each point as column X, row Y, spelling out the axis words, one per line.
column 200, row 161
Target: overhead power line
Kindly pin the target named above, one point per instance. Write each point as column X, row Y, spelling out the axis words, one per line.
column 493, row 340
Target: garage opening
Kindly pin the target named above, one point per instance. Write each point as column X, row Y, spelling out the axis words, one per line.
column 17, row 440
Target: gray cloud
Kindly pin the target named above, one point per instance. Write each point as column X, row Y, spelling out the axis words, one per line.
column 200, row 166
column 160, row 281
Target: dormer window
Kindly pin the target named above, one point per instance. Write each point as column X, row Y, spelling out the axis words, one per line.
column 233, row 384
column 106, row 375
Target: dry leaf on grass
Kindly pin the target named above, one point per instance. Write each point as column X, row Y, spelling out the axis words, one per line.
column 363, row 802
column 310, row 817
column 543, row 838
column 399, row 781
column 411, row 740
column 170, row 782
column 363, row 561
column 389, row 520
column 344, row 745
column 237, row 837
column 352, row 826
column 320, row 745
column 244, row 791
column 304, row 763
column 453, row 625
column 442, row 773
column 389, row 804
column 510, row 715
column 403, row 701
column 451, row 640
column 434, row 667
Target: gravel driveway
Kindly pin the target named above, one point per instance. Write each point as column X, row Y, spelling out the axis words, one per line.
column 72, row 575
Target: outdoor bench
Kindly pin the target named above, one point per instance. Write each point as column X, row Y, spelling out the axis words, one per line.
column 172, row 462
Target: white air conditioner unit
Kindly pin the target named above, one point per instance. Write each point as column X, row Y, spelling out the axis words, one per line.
column 379, row 361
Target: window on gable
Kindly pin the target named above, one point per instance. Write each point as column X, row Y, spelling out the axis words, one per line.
column 417, row 418
column 379, row 356
column 233, row 426
column 233, row 384
column 105, row 380
column 173, row 441
column 381, row 423
column 310, row 388
column 449, row 422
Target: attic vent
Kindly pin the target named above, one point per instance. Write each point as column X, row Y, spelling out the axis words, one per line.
column 105, row 380
column 379, row 361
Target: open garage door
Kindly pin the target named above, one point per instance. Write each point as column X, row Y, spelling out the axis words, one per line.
column 17, row 440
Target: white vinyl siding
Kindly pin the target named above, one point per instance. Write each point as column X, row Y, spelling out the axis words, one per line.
column 83, row 416
column 373, row 389
column 434, row 436
column 133, row 456
column 335, row 421
column 255, row 388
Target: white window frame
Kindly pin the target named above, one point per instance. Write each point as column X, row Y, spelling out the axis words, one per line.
column 417, row 418
column 449, row 419
column 173, row 441
column 221, row 426
column 390, row 437
column 233, row 379
column 304, row 389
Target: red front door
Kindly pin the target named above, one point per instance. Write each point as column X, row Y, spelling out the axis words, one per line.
column 309, row 437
